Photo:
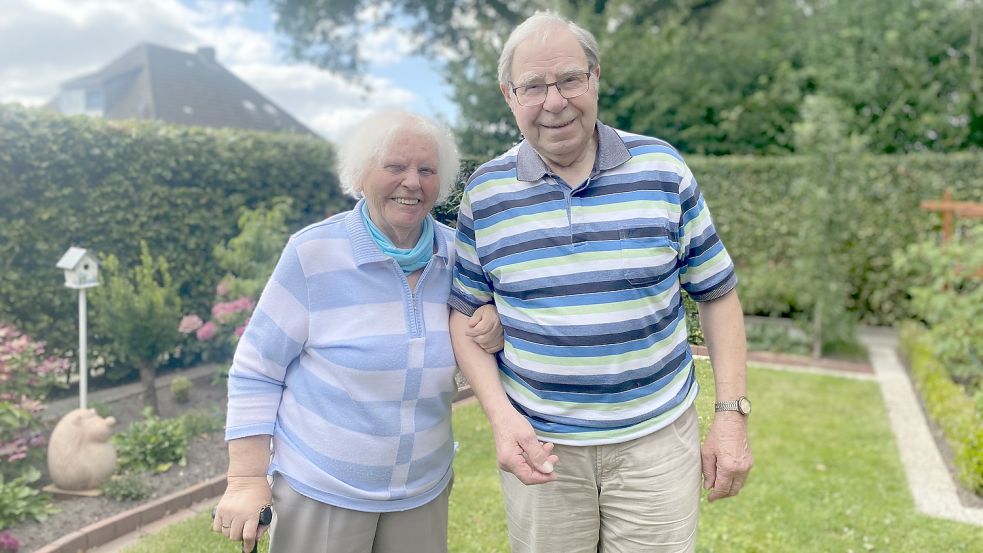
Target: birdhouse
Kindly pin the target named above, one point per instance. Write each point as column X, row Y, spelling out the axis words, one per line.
column 81, row 268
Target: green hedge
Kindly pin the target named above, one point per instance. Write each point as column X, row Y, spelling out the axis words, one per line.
column 948, row 406
column 107, row 185
column 755, row 211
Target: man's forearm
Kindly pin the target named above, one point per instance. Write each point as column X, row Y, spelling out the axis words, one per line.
column 723, row 329
column 480, row 368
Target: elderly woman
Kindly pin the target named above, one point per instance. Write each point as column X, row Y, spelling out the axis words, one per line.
column 346, row 367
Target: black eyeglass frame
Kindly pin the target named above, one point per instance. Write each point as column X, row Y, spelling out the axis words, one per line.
column 556, row 84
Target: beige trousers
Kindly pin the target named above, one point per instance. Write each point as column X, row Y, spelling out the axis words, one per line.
column 634, row 497
column 301, row 524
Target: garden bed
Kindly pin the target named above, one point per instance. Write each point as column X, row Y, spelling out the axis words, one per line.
column 206, row 457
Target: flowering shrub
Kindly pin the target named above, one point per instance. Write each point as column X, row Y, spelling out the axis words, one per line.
column 24, row 368
column 8, row 543
column 217, row 338
column 26, row 376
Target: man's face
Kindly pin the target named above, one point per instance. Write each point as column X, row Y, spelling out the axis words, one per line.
column 559, row 129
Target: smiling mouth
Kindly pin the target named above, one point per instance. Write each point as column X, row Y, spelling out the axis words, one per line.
column 406, row 201
column 557, row 125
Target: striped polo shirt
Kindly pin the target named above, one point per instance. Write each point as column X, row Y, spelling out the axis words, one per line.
column 587, row 283
column 350, row 371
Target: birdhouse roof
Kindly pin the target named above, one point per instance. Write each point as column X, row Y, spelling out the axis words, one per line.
column 73, row 257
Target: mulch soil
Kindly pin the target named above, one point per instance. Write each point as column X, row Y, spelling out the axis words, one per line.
column 207, row 457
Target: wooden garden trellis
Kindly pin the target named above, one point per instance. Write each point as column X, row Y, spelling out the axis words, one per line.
column 950, row 210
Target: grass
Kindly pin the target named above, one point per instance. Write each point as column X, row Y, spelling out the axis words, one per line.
column 827, row 478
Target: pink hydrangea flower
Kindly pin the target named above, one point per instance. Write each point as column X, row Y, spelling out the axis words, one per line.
column 189, row 324
column 206, row 332
column 8, row 543
column 222, row 289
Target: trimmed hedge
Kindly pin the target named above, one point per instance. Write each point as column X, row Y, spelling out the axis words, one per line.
column 948, row 405
column 755, row 212
column 107, row 185
column 751, row 201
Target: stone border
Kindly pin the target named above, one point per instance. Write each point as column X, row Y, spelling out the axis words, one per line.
column 797, row 361
column 106, row 530
column 112, row 528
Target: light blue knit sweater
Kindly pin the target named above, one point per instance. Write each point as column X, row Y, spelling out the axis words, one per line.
column 350, row 371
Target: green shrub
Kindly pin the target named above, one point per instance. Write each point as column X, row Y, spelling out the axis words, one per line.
column 107, row 185
column 151, row 444
column 122, row 487
column 27, row 373
column 19, row 501
column 181, row 389
column 202, row 421
column 102, row 409
column 138, row 312
column 947, row 404
column 754, row 208
column 948, row 297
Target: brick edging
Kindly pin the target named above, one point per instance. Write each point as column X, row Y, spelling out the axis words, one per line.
column 118, row 525
column 798, row 361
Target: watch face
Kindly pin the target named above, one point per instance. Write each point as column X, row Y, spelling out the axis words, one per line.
column 744, row 405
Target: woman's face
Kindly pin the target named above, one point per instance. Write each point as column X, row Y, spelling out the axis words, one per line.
column 402, row 186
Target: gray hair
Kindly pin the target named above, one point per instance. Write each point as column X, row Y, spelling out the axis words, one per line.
column 372, row 138
column 539, row 25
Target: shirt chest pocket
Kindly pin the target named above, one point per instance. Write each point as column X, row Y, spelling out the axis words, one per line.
column 649, row 253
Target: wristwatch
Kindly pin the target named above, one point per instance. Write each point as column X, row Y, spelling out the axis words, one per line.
column 742, row 405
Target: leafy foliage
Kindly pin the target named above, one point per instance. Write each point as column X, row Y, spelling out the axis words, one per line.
column 151, row 444
column 27, row 373
column 709, row 76
column 137, row 314
column 249, row 257
column 107, row 185
column 129, row 486
column 947, row 295
column 947, row 404
column 874, row 200
column 181, row 389
column 202, row 421
column 20, row 501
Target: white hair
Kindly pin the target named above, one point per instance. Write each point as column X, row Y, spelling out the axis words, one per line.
column 539, row 24
column 372, row 138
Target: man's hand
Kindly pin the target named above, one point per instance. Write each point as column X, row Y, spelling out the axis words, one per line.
column 237, row 513
column 520, row 451
column 485, row 328
column 726, row 455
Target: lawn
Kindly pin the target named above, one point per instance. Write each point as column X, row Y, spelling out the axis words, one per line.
column 827, row 478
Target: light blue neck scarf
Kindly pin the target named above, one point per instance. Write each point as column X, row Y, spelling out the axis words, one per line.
column 409, row 260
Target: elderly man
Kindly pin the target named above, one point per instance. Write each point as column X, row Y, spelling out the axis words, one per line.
column 582, row 235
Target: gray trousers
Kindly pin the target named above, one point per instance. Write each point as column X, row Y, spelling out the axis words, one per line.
column 301, row 524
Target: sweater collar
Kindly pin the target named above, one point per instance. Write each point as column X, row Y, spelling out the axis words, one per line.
column 364, row 248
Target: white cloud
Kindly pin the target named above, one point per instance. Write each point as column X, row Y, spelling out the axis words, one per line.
column 46, row 42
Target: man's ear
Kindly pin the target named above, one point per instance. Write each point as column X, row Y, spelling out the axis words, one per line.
column 506, row 93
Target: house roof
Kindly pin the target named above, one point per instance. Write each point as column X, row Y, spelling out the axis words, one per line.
column 154, row 82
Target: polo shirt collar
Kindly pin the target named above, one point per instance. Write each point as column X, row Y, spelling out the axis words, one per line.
column 611, row 152
column 364, row 248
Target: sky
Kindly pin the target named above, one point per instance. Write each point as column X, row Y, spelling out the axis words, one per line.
column 46, row 42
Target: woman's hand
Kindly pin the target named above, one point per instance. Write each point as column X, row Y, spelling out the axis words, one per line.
column 237, row 513
column 485, row 328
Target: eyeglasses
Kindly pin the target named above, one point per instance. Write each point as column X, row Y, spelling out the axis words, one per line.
column 569, row 87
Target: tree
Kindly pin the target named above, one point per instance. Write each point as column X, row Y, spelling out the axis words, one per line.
column 138, row 312
column 709, row 76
